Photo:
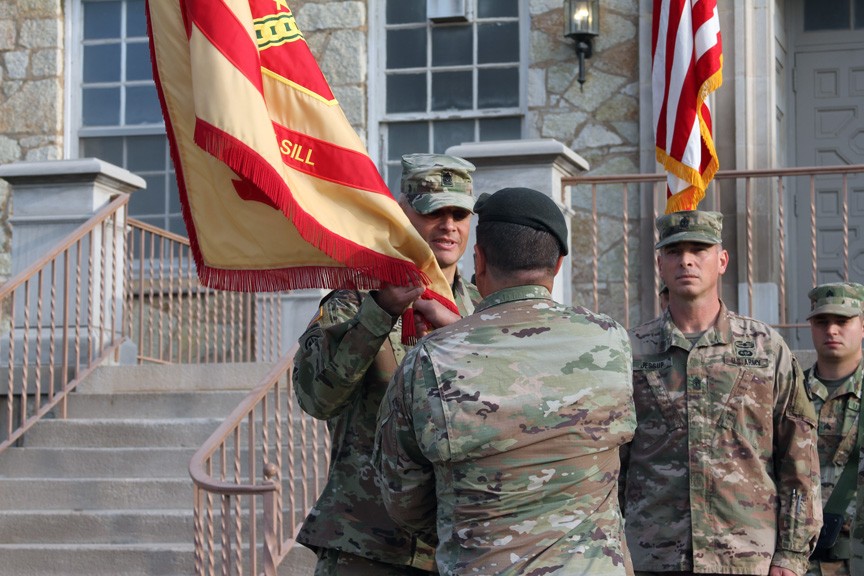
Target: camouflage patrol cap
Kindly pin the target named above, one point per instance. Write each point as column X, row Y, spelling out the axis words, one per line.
column 838, row 298
column 434, row 181
column 689, row 226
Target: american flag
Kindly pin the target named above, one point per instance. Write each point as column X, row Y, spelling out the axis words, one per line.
column 687, row 67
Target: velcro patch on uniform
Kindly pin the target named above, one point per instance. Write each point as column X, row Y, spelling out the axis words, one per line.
column 652, row 365
column 745, row 357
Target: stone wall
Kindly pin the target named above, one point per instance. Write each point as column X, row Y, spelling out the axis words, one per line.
column 337, row 32
column 600, row 122
column 31, row 98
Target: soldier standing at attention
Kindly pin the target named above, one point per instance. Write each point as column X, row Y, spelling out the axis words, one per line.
column 345, row 360
column 722, row 476
column 499, row 434
column 834, row 386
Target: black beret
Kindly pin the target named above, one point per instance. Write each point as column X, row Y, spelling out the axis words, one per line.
column 526, row 207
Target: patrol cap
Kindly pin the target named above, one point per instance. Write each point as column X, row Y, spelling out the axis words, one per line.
column 838, row 298
column 689, row 226
column 526, row 207
column 434, row 181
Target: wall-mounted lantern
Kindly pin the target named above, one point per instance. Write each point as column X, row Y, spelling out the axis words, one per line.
column 582, row 24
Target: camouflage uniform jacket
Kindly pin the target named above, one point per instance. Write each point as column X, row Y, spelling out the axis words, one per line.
column 856, row 546
column 341, row 370
column 505, row 428
column 838, row 434
column 722, row 474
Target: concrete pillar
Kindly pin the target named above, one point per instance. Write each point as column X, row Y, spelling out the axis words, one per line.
column 294, row 310
column 539, row 164
column 49, row 201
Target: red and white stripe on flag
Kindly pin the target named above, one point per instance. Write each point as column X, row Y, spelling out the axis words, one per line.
column 276, row 188
column 687, row 67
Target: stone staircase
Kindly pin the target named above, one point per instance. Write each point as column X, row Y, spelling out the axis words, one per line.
column 107, row 491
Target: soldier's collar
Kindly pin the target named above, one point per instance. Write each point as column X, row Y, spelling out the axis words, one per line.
column 719, row 333
column 513, row 294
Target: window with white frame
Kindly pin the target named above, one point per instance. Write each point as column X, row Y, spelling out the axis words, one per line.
column 841, row 16
column 120, row 117
column 447, row 80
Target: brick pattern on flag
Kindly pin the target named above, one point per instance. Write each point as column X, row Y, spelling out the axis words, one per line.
column 276, row 188
column 687, row 67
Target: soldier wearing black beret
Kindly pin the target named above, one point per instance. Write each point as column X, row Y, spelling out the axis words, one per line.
column 499, row 435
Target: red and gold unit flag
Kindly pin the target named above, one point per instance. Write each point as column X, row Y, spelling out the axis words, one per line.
column 687, row 67
column 277, row 189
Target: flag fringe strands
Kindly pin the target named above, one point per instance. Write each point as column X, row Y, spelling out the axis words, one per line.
column 277, row 191
column 687, row 67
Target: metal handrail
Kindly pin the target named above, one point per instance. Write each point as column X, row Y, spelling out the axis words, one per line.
column 173, row 318
column 79, row 233
column 720, row 175
column 66, row 349
column 735, row 181
column 270, row 427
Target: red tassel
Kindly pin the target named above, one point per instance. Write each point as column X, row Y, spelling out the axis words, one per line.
column 409, row 328
column 410, row 335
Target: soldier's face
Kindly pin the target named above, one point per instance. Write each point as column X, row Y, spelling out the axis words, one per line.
column 837, row 337
column 446, row 231
column 691, row 269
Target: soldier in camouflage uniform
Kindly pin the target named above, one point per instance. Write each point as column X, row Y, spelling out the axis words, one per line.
column 722, row 474
column 834, row 386
column 500, row 433
column 345, row 360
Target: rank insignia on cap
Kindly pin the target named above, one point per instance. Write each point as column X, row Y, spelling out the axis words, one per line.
column 837, row 298
column 447, row 178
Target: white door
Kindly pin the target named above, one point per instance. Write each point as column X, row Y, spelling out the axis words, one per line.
column 829, row 128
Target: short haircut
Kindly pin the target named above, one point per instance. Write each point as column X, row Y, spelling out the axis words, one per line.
column 513, row 247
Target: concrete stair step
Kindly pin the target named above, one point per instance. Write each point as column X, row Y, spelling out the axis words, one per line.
column 173, row 432
column 95, row 494
column 300, row 561
column 52, row 462
column 92, row 494
column 96, row 527
column 97, row 560
column 205, row 404
column 107, row 490
column 174, row 378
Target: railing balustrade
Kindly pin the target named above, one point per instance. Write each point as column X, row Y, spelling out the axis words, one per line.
column 175, row 320
column 113, row 278
column 256, row 478
column 61, row 319
column 611, row 210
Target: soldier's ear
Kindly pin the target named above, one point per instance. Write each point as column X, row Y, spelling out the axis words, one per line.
column 479, row 261
column 724, row 260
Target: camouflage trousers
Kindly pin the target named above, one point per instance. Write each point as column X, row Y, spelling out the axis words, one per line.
column 337, row 563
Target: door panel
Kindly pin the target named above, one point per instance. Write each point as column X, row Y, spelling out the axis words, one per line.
column 829, row 118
